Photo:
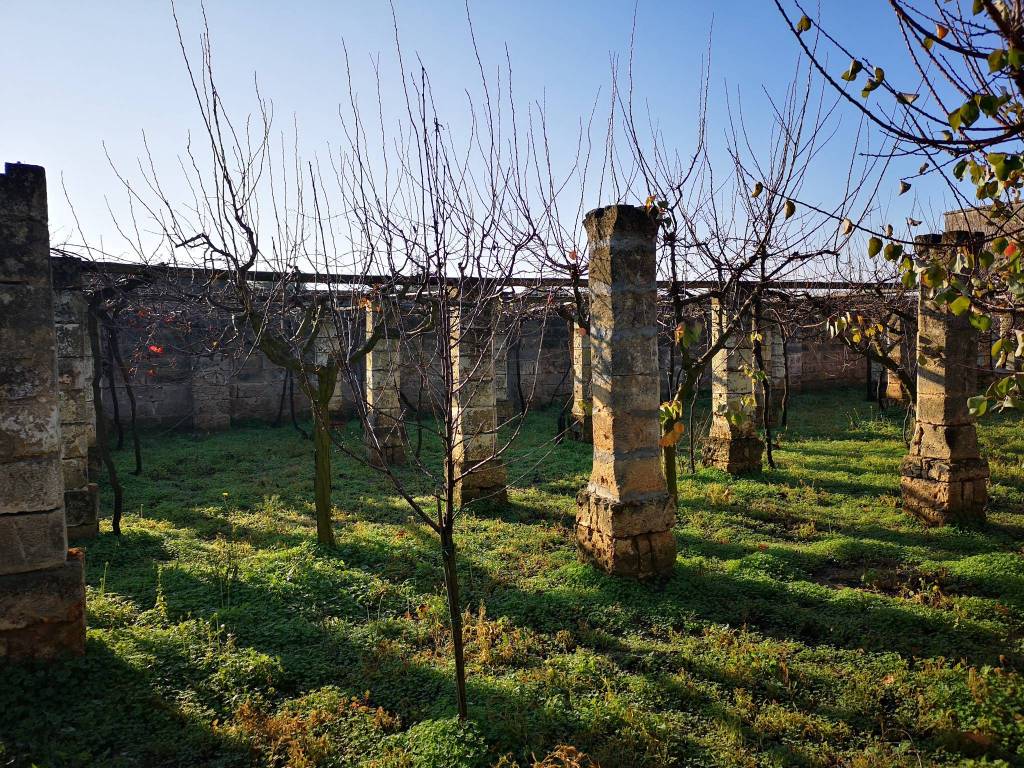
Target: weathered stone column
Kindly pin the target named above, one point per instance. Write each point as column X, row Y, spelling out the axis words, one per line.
column 625, row 516
column 502, row 393
column 211, row 393
column 385, row 431
column 733, row 444
column 582, row 407
column 42, row 591
column 475, row 411
column 77, row 414
column 893, row 386
column 773, row 358
column 944, row 479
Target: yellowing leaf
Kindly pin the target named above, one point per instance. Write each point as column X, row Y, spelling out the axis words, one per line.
column 847, row 226
column 789, row 208
column 758, row 189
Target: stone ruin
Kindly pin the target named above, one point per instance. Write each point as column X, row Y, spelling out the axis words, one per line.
column 625, row 516
column 42, row 588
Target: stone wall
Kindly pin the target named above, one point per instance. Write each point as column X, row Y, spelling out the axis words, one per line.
column 536, row 361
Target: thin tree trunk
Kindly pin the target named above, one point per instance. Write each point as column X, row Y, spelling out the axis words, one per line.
column 108, row 369
column 322, row 457
column 115, row 349
column 102, row 440
column 451, row 584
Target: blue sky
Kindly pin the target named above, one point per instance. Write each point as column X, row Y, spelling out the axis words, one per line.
column 78, row 74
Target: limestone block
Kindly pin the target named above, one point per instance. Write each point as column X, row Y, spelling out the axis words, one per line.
column 42, row 613
column 32, row 540
column 81, row 509
column 31, row 485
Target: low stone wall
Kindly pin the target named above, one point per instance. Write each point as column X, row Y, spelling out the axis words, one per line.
column 170, row 382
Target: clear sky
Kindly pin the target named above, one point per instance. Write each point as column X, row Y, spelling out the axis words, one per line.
column 78, row 74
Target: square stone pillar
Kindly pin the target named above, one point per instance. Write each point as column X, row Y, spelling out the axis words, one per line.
column 625, row 516
column 943, row 477
column 475, row 413
column 211, row 393
column 773, row 358
column 582, row 408
column 385, row 429
column 733, row 444
column 77, row 412
column 502, row 392
column 42, row 589
column 893, row 386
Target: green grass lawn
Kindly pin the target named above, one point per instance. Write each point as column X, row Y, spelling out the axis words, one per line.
column 809, row 621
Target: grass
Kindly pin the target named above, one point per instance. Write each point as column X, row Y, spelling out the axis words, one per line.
column 808, row 622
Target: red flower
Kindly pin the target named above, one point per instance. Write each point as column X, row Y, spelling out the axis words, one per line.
column 156, row 349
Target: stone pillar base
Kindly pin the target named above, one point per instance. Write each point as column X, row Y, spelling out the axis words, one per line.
column 42, row 613
column 582, row 429
column 735, row 455
column 504, row 410
column 942, row 491
column 82, row 511
column 488, row 484
column 627, row 538
column 385, row 456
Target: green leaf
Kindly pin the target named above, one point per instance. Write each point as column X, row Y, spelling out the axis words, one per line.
column 955, row 119
column 874, row 246
column 996, row 60
column 987, row 103
column 959, row 305
column 977, row 7
column 969, row 114
column 1015, row 58
column 978, row 405
column 893, row 251
column 980, row 322
column 803, row 25
column 851, row 74
column 959, row 168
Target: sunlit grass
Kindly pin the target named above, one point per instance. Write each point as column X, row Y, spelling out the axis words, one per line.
column 809, row 621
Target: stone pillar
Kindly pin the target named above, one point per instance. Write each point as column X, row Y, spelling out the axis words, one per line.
column 475, row 410
column 943, row 477
column 582, row 407
column 733, row 444
column 773, row 358
column 385, row 431
column 211, row 393
column 42, row 588
column 502, row 393
column 625, row 516
column 77, row 412
column 893, row 386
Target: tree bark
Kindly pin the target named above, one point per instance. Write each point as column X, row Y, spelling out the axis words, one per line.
column 451, row 584
column 322, row 457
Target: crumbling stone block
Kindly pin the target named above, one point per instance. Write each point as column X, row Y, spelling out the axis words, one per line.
column 624, row 516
